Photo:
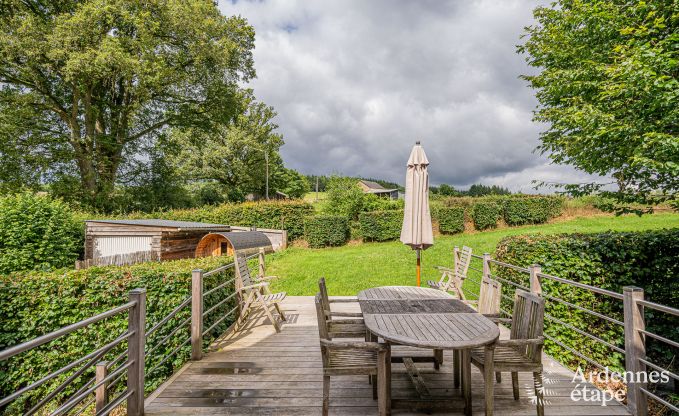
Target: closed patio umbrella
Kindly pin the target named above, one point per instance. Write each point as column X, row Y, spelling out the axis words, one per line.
column 417, row 231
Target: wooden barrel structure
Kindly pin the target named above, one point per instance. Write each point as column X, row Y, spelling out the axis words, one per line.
column 219, row 244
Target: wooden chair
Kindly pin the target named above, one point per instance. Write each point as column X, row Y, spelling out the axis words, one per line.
column 490, row 294
column 255, row 293
column 522, row 352
column 353, row 358
column 350, row 324
column 451, row 279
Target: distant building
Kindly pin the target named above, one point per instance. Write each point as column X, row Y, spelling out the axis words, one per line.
column 370, row 187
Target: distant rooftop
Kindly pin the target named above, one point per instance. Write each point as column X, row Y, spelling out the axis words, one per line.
column 185, row 225
column 373, row 185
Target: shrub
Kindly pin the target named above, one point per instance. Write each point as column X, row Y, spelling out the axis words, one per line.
column 381, row 225
column 372, row 202
column 610, row 261
column 450, row 219
column 37, row 303
column 531, row 210
column 345, row 198
column 37, row 232
column 485, row 215
column 326, row 230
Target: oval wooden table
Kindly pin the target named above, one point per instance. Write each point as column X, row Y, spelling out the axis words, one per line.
column 430, row 318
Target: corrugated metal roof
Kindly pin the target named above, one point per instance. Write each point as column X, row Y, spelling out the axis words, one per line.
column 166, row 223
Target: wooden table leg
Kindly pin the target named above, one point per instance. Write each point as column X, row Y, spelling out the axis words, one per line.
column 466, row 366
column 456, row 368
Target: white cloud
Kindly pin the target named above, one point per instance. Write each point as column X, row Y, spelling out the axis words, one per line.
column 356, row 82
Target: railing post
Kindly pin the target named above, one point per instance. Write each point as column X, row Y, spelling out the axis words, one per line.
column 101, row 393
column 486, row 265
column 197, row 315
column 535, row 285
column 135, row 352
column 637, row 402
column 262, row 266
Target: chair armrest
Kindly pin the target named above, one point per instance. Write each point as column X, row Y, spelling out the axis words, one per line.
column 342, row 300
column 444, row 269
column 471, row 302
column 345, row 321
column 492, row 316
column 519, row 342
column 256, row 285
column 347, row 314
column 503, row 320
column 348, row 345
column 265, row 278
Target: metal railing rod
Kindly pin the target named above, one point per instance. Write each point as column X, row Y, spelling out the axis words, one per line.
column 169, row 316
column 660, row 400
column 581, row 332
column 115, row 403
column 509, row 282
column 476, row 256
column 475, row 269
column 214, row 289
column 510, row 266
column 220, row 320
column 95, row 355
column 220, row 303
column 36, row 342
column 595, row 289
column 166, row 337
column 173, row 352
column 660, row 338
column 70, row 379
column 658, row 307
column 470, row 293
column 84, row 407
column 657, row 367
column 475, row 280
column 72, row 402
column 579, row 354
column 572, row 305
column 218, row 270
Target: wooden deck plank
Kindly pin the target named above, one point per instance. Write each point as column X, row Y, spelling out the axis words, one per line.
column 258, row 371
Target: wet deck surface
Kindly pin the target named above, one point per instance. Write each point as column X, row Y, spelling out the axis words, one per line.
column 257, row 371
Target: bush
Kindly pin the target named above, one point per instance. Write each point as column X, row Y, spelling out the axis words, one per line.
column 381, row 225
column 531, row 210
column 37, row 303
column 37, row 232
column 345, row 198
column 326, row 230
column 372, row 202
column 610, row 261
column 485, row 215
column 450, row 219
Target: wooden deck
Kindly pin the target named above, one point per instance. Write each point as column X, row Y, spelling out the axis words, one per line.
column 259, row 371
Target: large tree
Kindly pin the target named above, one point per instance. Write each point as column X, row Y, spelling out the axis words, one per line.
column 83, row 84
column 608, row 89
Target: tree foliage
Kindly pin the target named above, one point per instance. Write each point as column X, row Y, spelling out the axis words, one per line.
column 608, row 89
column 84, row 84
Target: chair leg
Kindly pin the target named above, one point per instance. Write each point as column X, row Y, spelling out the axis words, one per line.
column 280, row 311
column 384, row 382
column 373, row 381
column 498, row 377
column 515, row 384
column 539, row 393
column 438, row 359
column 488, row 378
column 265, row 306
column 326, row 395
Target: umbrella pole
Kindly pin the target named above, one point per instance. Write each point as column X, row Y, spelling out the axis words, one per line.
column 418, row 268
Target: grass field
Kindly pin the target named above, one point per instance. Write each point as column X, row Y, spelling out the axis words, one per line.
column 351, row 268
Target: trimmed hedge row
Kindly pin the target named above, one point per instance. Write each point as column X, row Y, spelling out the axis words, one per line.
column 485, row 215
column 611, row 261
column 450, row 219
column 326, row 230
column 381, row 225
column 37, row 303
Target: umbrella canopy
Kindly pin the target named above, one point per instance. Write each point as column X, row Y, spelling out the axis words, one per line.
column 417, row 231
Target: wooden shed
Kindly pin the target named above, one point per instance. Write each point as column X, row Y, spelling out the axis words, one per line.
column 166, row 240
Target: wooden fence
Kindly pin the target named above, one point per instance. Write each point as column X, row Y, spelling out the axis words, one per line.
column 118, row 259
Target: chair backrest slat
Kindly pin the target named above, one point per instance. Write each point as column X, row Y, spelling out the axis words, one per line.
column 242, row 268
column 489, row 296
column 320, row 315
column 462, row 265
column 528, row 320
column 325, row 299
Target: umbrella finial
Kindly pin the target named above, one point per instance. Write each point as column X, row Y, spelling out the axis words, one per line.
column 417, row 142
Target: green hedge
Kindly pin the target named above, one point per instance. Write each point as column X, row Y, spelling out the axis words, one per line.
column 531, row 210
column 326, row 230
column 485, row 215
column 381, row 225
column 36, row 303
column 610, row 261
column 450, row 219
column 37, row 233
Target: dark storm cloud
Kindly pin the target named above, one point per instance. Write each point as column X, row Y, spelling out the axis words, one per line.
column 356, row 82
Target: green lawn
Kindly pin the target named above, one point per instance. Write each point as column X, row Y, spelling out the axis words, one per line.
column 351, row 268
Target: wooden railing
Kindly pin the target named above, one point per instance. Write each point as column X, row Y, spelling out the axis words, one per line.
column 633, row 325
column 131, row 362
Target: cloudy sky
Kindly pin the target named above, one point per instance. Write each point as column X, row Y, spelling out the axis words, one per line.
column 357, row 82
